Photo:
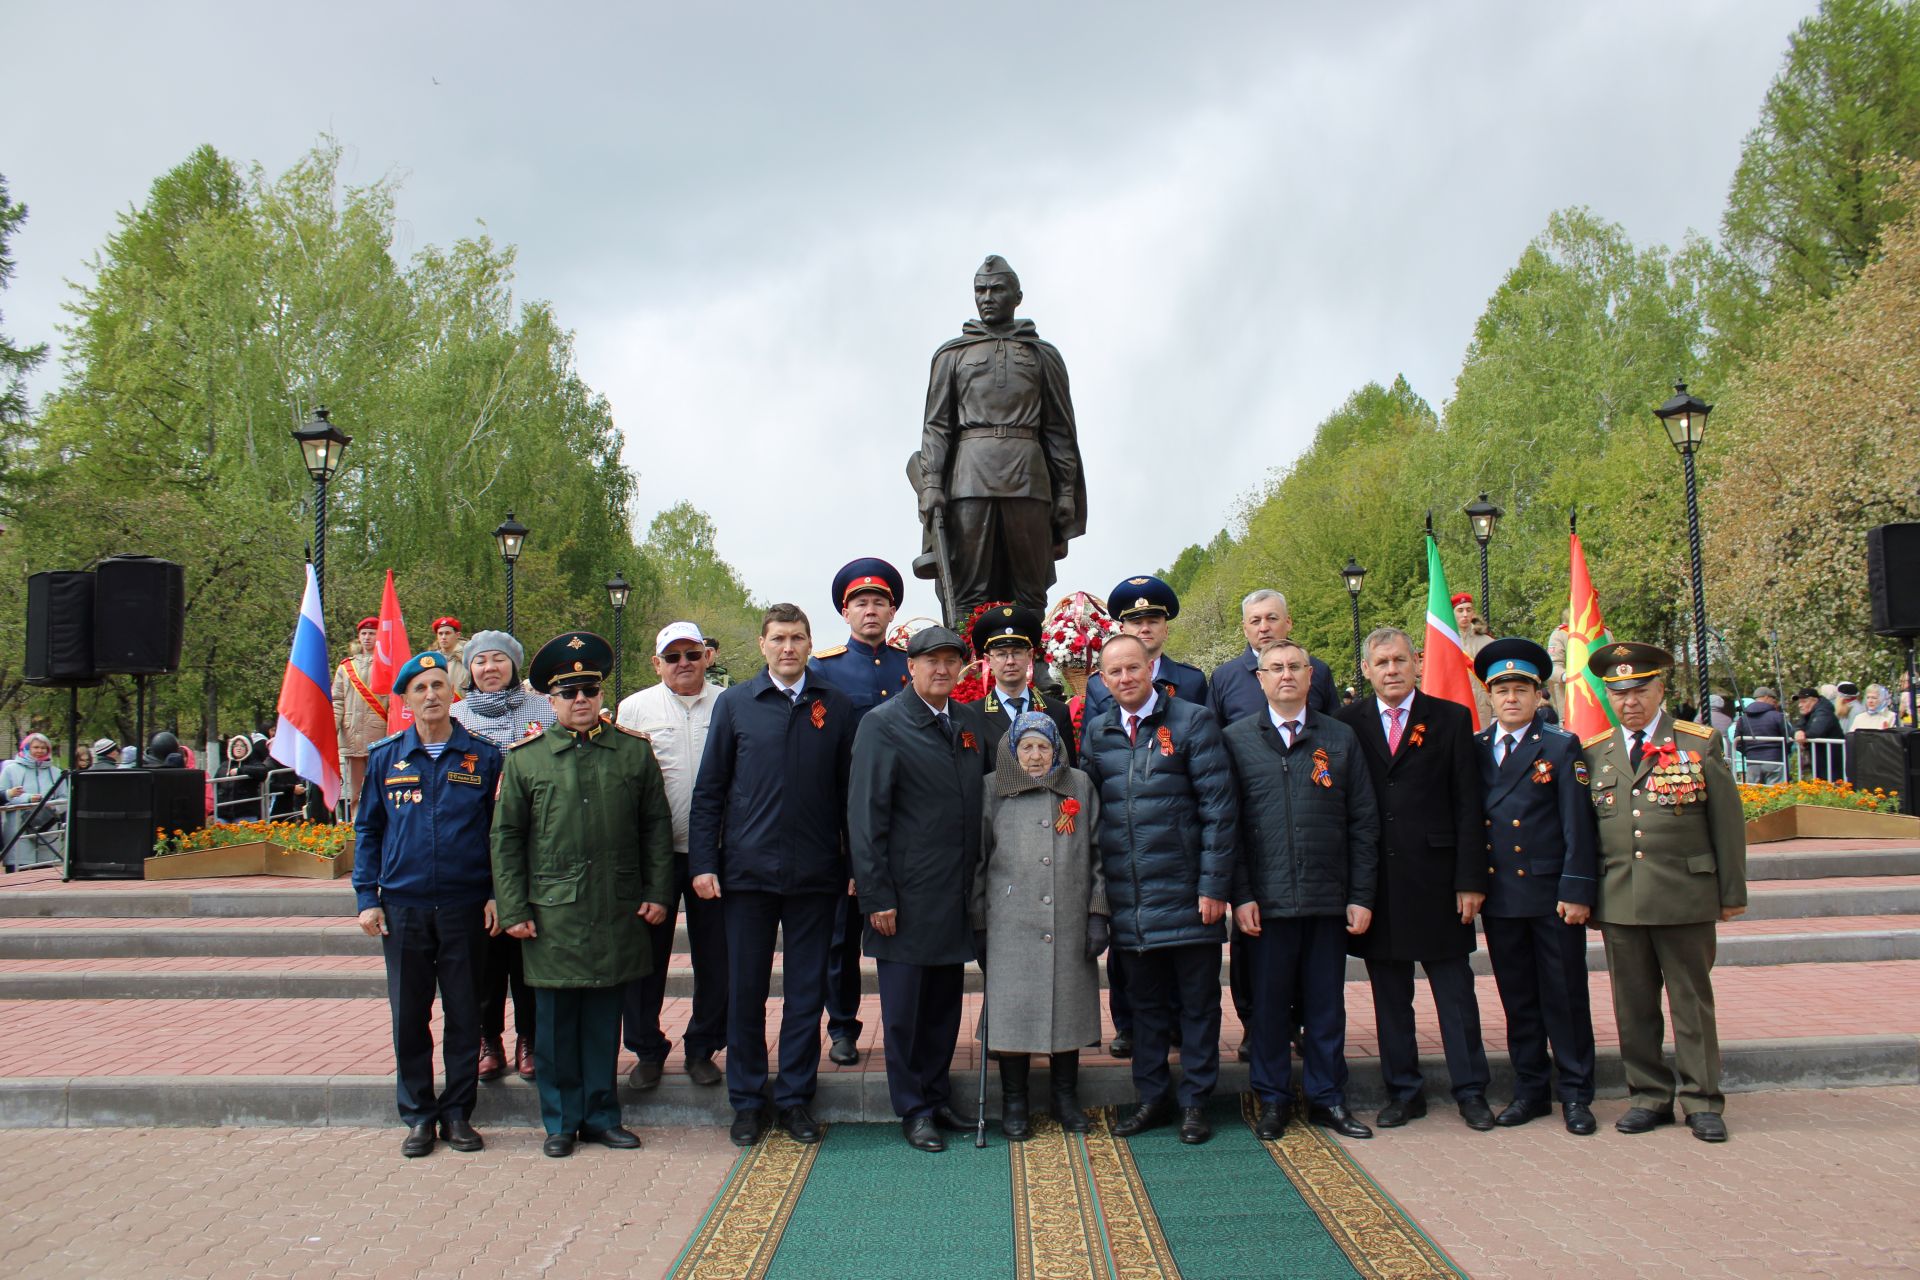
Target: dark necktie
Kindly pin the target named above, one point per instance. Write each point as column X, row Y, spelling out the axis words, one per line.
column 1639, row 737
column 946, row 726
column 793, row 696
column 1018, row 707
column 1293, row 729
column 1507, row 744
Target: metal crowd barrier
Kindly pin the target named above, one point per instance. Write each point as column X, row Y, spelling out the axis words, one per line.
column 251, row 808
column 38, row 842
column 1799, row 761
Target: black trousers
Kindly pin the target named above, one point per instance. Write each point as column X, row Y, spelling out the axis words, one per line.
column 707, row 940
column 575, row 1056
column 430, row 948
column 1001, row 549
column 1176, row 990
column 505, row 973
column 1299, row 964
column 1540, row 967
column 1459, row 1011
column 843, row 970
column 805, row 923
column 920, row 1014
column 1119, row 996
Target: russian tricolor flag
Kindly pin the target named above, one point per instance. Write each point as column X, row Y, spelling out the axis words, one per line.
column 304, row 740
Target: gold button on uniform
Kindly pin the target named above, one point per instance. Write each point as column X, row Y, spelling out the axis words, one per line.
column 1520, row 871
column 1638, row 854
column 1516, row 822
column 1516, row 848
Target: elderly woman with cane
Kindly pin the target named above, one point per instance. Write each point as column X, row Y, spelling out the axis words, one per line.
column 1040, row 920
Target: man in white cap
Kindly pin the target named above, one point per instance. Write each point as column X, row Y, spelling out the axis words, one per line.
column 674, row 715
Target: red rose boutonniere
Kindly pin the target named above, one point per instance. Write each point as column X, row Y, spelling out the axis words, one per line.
column 1543, row 771
column 1164, row 736
column 1064, row 823
column 966, row 740
column 819, row 715
column 1418, row 734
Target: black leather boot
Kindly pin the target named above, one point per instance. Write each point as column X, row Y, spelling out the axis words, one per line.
column 1065, row 1068
column 1014, row 1068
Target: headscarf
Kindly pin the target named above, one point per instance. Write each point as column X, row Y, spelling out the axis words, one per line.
column 1032, row 723
column 1009, row 778
column 28, row 741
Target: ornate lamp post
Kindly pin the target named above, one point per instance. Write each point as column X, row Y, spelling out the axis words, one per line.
column 1353, row 574
column 1484, row 516
column 321, row 446
column 618, row 588
column 1685, row 419
column 512, row 536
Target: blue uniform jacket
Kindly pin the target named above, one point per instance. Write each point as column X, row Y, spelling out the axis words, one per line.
column 770, row 801
column 1173, row 680
column 1540, row 833
column 1235, row 691
column 423, row 829
column 867, row 675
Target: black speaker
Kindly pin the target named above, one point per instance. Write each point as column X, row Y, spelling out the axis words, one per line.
column 1886, row 758
column 114, row 812
column 139, row 616
column 1893, row 579
column 60, row 630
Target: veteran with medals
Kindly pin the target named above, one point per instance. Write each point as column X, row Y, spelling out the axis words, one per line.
column 1673, row 864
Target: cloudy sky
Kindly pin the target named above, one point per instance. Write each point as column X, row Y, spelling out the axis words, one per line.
column 761, row 219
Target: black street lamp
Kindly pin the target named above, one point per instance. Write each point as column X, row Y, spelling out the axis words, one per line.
column 618, row 588
column 1484, row 516
column 321, row 445
column 1685, row 418
column 1353, row 574
column 511, row 535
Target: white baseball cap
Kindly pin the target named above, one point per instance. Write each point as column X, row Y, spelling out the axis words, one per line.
column 674, row 632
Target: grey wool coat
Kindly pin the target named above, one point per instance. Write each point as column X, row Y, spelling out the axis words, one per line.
column 1033, row 889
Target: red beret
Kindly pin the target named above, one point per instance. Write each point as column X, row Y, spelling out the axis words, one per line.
column 1463, row 597
column 368, row 624
column 447, row 622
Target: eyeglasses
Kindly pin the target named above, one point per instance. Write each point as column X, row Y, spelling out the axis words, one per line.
column 679, row 656
column 578, row 693
column 1292, row 667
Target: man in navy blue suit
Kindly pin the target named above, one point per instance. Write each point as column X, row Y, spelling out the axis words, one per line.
column 1540, row 856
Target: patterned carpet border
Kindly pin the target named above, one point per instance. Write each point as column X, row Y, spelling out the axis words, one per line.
column 1056, row 1223
column 1379, row 1239
column 1136, row 1246
column 742, row 1229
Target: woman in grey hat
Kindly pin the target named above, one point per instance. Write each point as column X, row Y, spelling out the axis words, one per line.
column 502, row 710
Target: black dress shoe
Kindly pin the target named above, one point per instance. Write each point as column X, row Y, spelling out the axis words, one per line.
column 702, row 1072
column 1340, row 1120
column 1476, row 1113
column 1121, row 1045
column 747, row 1127
column 1195, row 1128
column 844, row 1051
column 557, row 1145
column 645, row 1075
column 1517, row 1113
column 800, row 1125
column 1015, row 1123
column 1642, row 1120
column 921, row 1135
column 460, row 1135
column 1707, row 1126
column 1401, row 1110
column 1242, row 1052
column 1148, row 1115
column 620, row 1138
column 1273, row 1120
column 1579, row 1119
column 952, row 1121
column 418, row 1142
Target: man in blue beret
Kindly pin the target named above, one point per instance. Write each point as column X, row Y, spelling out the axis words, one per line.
column 423, row 883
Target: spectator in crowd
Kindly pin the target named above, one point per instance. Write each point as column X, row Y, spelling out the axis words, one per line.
column 674, row 715
column 82, row 758
column 1817, row 735
column 238, row 800
column 164, row 752
column 1759, row 735
column 499, row 709
column 106, row 754
column 447, row 643
column 1846, row 705
column 766, row 847
column 26, row 779
column 1040, row 919
column 1876, row 709
column 1168, row 840
column 1310, row 852
column 1717, row 712
column 359, row 713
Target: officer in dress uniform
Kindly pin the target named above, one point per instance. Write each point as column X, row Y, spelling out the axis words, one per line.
column 1142, row 606
column 1673, row 864
column 869, row 671
column 1008, row 636
column 1540, row 844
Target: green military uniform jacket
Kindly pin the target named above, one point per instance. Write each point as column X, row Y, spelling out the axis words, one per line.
column 582, row 836
column 1673, row 840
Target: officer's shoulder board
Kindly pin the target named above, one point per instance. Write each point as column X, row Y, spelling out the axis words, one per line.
column 392, row 737
column 532, row 737
column 1552, row 730
column 1596, row 739
column 834, row 652
column 1697, row 730
column 635, row 733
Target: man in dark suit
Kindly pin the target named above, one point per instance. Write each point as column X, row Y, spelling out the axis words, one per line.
column 1007, row 637
column 1432, row 878
column 914, row 819
column 1540, row 855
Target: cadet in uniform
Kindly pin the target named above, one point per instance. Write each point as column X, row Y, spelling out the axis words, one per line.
column 1007, row 638
column 424, row 886
column 1673, row 863
column 1540, row 845
column 582, row 864
column 869, row 671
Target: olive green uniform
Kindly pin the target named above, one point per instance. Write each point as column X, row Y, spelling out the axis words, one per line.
column 1673, row 852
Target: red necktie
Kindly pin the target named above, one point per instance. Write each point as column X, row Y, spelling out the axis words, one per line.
column 1393, row 730
column 1133, row 728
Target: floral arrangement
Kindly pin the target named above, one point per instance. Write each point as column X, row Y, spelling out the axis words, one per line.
column 974, row 681
column 1074, row 632
column 328, row 840
column 1756, row 799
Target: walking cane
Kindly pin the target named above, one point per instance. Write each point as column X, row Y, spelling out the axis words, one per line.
column 980, row 1109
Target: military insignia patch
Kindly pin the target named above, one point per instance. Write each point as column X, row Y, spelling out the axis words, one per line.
column 576, row 643
column 428, row 662
column 1137, row 582
column 1623, row 670
column 1622, row 651
column 1580, row 774
column 1142, row 603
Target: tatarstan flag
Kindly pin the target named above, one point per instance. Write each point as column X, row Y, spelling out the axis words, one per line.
column 1588, row 711
column 1446, row 672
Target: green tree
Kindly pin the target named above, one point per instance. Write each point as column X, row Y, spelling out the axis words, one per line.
column 15, row 362
column 681, row 555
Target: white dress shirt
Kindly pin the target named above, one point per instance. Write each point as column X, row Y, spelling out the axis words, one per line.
column 1406, row 715
column 1280, row 723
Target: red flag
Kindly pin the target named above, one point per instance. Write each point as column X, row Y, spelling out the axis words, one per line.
column 390, row 653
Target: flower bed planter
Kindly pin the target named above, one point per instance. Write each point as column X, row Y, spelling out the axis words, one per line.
column 1810, row 821
column 256, row 858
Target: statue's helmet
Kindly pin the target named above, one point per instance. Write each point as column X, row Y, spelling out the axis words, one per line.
column 995, row 265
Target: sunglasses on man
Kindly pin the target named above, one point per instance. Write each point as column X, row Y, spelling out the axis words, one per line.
column 678, row 656
column 578, row 693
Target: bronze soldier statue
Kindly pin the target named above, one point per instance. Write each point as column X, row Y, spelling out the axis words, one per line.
column 998, row 470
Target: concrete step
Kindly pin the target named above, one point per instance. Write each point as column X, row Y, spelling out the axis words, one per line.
column 139, row 901
column 1767, row 862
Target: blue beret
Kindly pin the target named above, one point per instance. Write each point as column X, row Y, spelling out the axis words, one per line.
column 869, row 573
column 1141, row 595
column 428, row 661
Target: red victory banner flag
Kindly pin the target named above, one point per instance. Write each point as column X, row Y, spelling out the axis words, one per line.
column 390, row 653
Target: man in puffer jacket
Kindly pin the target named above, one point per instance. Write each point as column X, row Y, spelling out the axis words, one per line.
column 1168, row 832
column 1310, row 855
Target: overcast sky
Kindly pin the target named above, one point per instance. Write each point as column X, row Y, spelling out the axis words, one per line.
column 761, row 219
